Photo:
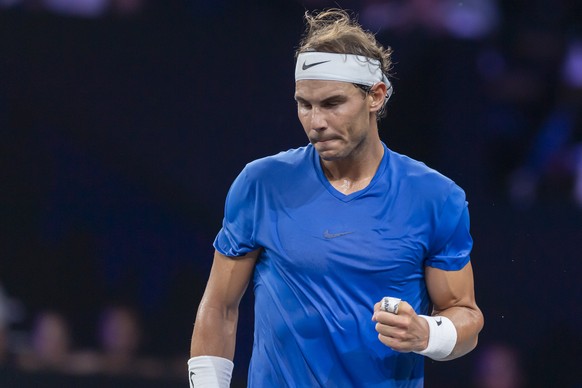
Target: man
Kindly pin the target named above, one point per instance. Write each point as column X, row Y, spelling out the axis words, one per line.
column 329, row 229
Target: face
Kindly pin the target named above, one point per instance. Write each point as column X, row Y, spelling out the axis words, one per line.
column 336, row 117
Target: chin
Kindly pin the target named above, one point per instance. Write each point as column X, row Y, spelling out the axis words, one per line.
column 331, row 151
column 329, row 155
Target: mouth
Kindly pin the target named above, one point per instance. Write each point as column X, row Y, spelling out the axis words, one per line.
column 323, row 141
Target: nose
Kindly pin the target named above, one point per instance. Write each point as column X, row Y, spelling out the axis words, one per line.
column 318, row 122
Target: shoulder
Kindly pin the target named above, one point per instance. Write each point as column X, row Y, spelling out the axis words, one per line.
column 270, row 175
column 285, row 162
column 421, row 180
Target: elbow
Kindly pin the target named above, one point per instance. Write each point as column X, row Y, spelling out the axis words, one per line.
column 469, row 334
column 478, row 324
column 479, row 321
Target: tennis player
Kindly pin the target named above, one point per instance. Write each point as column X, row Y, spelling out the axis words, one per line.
column 359, row 255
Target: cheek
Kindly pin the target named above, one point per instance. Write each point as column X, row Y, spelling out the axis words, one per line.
column 358, row 122
column 303, row 119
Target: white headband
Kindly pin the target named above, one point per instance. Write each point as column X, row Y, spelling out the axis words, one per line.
column 340, row 67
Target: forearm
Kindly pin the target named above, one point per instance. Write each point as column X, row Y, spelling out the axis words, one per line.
column 453, row 296
column 214, row 332
column 212, row 349
column 468, row 322
column 217, row 317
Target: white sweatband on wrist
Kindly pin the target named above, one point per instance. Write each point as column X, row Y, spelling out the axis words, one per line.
column 442, row 337
column 209, row 372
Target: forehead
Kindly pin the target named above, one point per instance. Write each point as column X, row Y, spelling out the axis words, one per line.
column 318, row 89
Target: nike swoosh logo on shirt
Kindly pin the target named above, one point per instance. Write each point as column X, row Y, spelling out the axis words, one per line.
column 306, row 66
column 328, row 235
column 439, row 322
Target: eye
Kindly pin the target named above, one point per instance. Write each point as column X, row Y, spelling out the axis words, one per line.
column 303, row 105
column 330, row 104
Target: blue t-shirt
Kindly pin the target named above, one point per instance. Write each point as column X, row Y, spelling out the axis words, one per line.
column 327, row 258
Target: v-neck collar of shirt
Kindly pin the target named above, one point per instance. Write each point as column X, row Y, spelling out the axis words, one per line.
column 338, row 194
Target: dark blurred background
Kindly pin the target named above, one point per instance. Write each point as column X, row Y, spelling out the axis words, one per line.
column 123, row 123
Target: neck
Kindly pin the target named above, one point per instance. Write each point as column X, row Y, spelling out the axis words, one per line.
column 355, row 173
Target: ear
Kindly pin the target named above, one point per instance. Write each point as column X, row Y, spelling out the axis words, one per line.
column 377, row 96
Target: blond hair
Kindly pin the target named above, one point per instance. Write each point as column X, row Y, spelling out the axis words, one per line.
column 335, row 31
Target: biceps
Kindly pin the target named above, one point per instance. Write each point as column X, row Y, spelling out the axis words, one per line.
column 451, row 288
column 229, row 279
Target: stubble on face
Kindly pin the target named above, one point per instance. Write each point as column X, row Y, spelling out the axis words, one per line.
column 341, row 126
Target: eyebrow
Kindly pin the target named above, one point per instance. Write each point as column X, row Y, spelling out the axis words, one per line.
column 336, row 97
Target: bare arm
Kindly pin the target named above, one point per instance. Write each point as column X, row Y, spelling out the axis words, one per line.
column 453, row 296
column 217, row 317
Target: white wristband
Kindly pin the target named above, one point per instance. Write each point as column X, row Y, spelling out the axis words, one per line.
column 442, row 337
column 209, row 372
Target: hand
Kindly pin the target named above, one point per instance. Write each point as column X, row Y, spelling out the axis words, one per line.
column 405, row 332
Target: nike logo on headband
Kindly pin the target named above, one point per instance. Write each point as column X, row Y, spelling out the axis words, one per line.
column 306, row 66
